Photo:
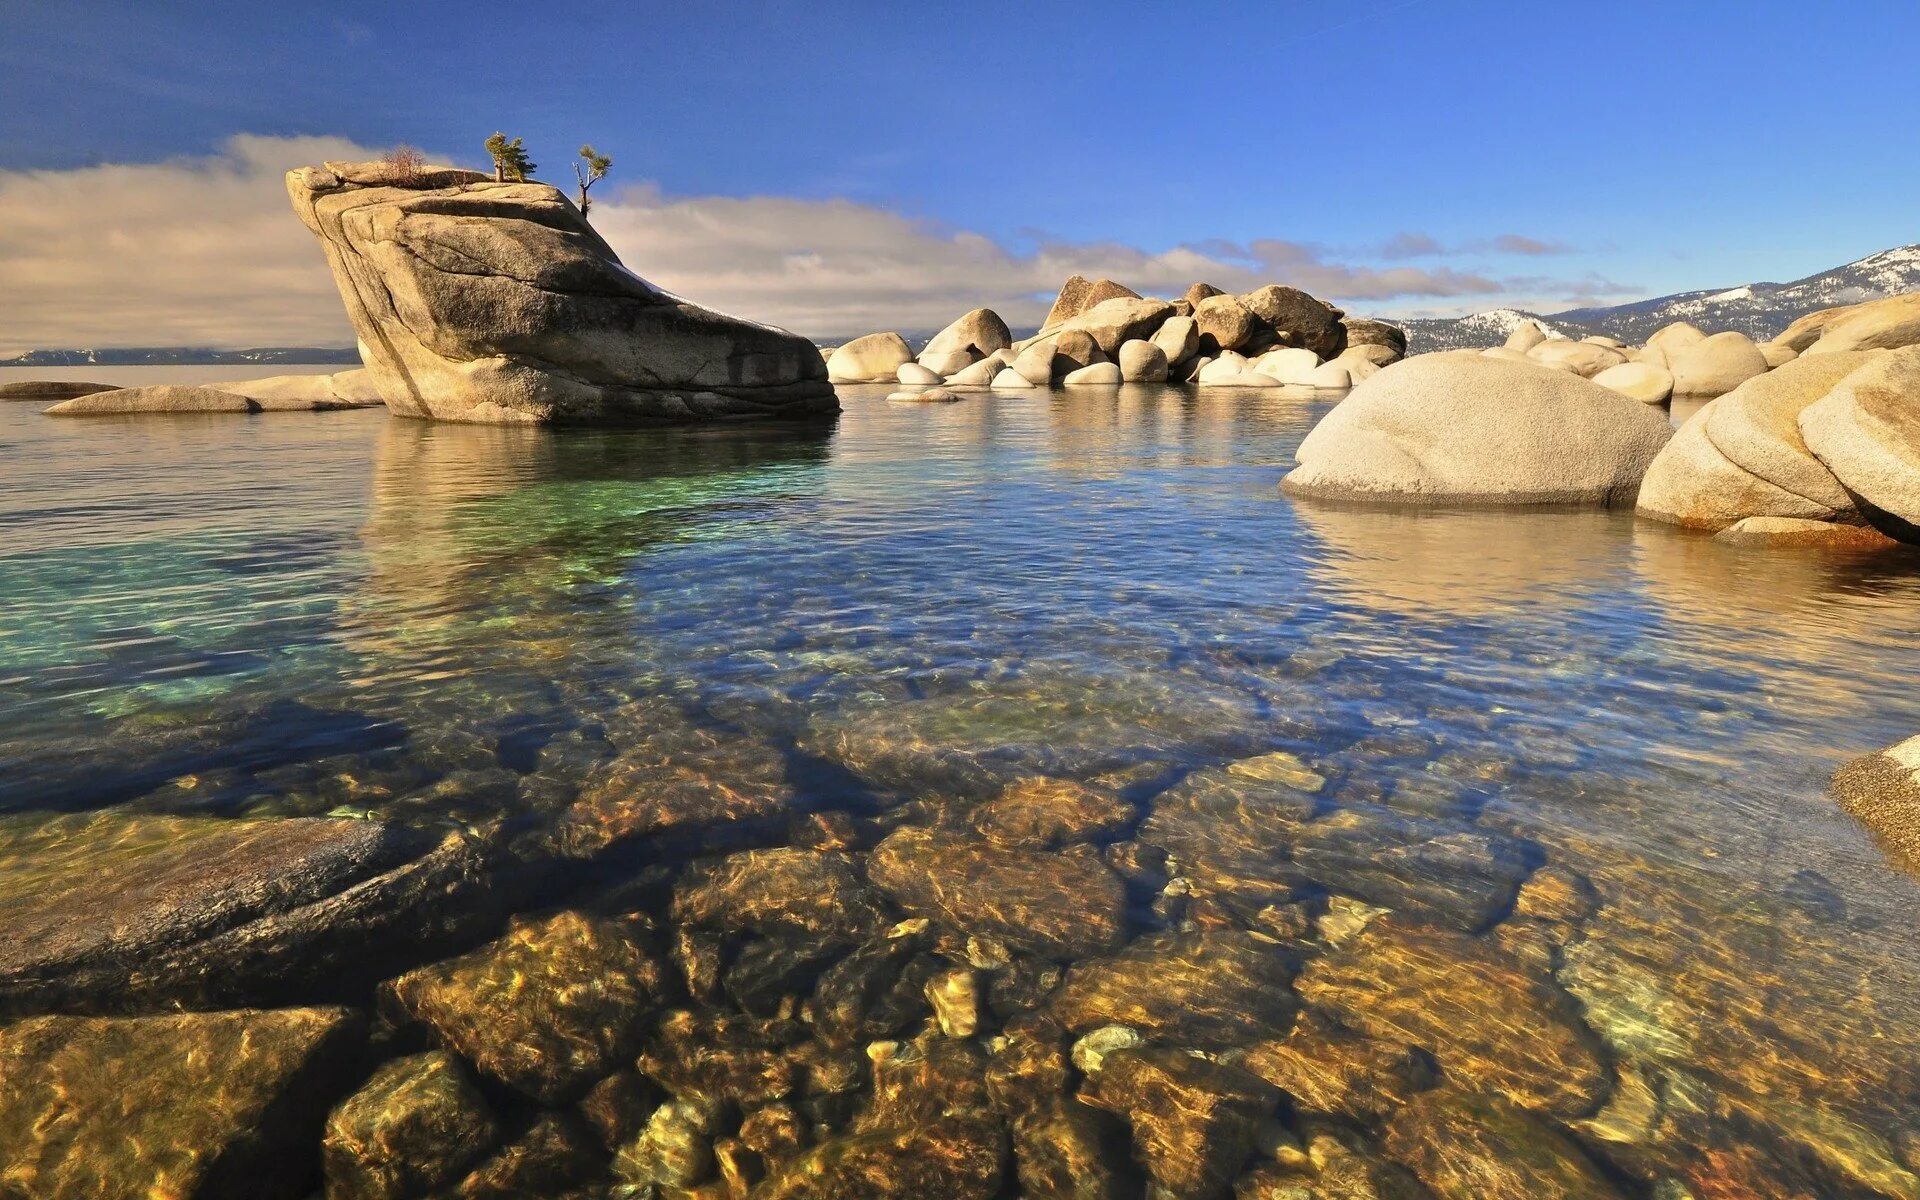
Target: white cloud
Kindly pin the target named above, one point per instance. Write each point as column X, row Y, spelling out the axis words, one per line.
column 205, row 251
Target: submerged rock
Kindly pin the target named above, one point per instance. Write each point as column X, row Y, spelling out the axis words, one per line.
column 955, row 1160
column 1065, row 1150
column 1226, row 829
column 782, row 891
column 703, row 778
column 1467, row 1148
column 1324, row 1068
column 1430, row 870
column 161, row 398
column 50, row 391
column 415, row 1125
column 548, row 1009
column 1194, row 1121
column 216, row 1106
column 1465, row 428
column 1799, row 533
column 476, row 300
column 1215, row 988
column 1060, row 905
column 306, row 393
column 1492, row 1024
column 553, row 1155
column 118, row 911
column 1039, row 813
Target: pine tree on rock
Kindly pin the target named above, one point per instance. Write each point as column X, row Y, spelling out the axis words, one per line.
column 597, row 165
column 510, row 161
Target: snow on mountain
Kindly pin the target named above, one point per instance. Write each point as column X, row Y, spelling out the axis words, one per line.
column 1759, row 310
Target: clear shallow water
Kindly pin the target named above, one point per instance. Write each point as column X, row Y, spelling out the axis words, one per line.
column 302, row 614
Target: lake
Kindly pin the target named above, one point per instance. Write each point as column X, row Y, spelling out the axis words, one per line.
column 1533, row 800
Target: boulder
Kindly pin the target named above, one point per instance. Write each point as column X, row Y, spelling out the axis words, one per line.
column 1669, row 340
column 1882, row 791
column 303, row 393
column 1436, row 871
column 548, row 1009
column 1601, row 339
column 1494, row 1026
column 48, row 391
column 1363, row 331
column 1214, row 988
column 1248, row 379
column 1639, row 381
column 118, row 911
column 1692, row 484
column 684, row 777
column 1303, row 320
column 415, row 1126
column 1466, row 428
column 1227, row 365
column 1504, row 354
column 1041, row 813
column 1058, row 905
column 1070, row 302
column 1806, row 330
column 1194, row 1121
column 1717, row 365
column 951, row 1159
column 1356, row 363
column 212, row 1105
column 875, row 358
column 1144, row 362
column 1471, row 1148
column 1777, row 355
column 1866, row 431
column 980, row 374
column 1324, row 1068
column 1104, row 374
column 1292, row 366
column 926, row 395
column 914, row 374
column 1876, row 325
column 477, row 300
column 1223, row 324
column 784, row 891
column 1582, row 358
column 1797, row 533
column 1009, row 379
column 1331, row 376
column 1525, row 336
column 980, row 331
column 1178, row 339
column 163, row 398
column 945, row 364
column 1198, row 292
column 1111, row 323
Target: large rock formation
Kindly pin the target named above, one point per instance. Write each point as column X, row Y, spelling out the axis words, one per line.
column 496, row 302
column 1876, row 325
column 1742, row 455
column 1465, row 428
column 1867, row 432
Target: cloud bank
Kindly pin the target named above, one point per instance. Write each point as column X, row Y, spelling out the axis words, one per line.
column 205, row 252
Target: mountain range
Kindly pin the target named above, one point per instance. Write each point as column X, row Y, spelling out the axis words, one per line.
column 1759, row 310
column 154, row 356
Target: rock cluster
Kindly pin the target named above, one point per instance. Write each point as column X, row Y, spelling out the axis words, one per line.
column 277, row 393
column 477, row 300
column 1100, row 333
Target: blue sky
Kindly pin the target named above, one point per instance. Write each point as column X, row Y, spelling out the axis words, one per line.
column 1647, row 147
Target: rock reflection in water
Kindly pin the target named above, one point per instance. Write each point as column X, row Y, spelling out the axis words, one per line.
column 1010, row 797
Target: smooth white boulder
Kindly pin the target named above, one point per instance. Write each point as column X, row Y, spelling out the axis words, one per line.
column 1104, row 374
column 1178, row 338
column 1331, row 376
column 1291, row 365
column 1642, row 381
column 1867, row 432
column 1525, row 336
column 1670, row 339
column 981, row 332
column 1777, row 354
column 1715, row 366
column 1143, row 362
column 1228, row 365
column 914, row 373
column 932, row 395
column 980, row 374
column 1112, row 323
column 1581, row 358
column 1009, row 378
column 1247, row 379
column 1358, row 363
column 1468, row 428
column 875, row 358
column 946, row 362
column 1601, row 339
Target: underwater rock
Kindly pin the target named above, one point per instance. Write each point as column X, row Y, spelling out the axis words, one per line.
column 1323, row 1068
column 1215, row 988
column 1434, row 871
column 954, row 1160
column 1477, row 1148
column 1226, row 831
column 673, row 1151
column 415, row 1125
column 1061, row 905
column 123, row 912
column 547, row 1009
column 779, row 892
column 1882, row 791
column 477, row 300
column 1066, row 1150
column 553, row 1155
column 1193, row 1120
column 1042, row 813
column 874, row 992
column 217, row 1105
column 716, row 1059
column 703, row 778
column 1492, row 1024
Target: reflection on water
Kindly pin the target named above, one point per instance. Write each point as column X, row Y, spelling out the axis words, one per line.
column 1612, row 736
